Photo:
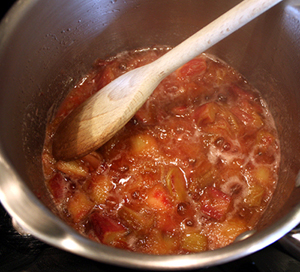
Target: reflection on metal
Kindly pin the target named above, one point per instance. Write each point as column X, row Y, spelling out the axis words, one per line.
column 291, row 242
column 244, row 235
column 22, row 231
column 69, row 244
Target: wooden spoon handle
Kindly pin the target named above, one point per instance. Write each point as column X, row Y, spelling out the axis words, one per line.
column 214, row 32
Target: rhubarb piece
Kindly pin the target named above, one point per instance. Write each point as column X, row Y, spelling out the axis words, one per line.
column 264, row 140
column 58, row 187
column 195, row 67
column 93, row 159
column 266, row 147
column 161, row 243
column 142, row 143
column 176, row 184
column 74, row 169
column 194, row 242
column 166, row 221
column 205, row 114
column 107, row 230
column 227, row 231
column 98, row 188
column 263, row 174
column 215, row 203
column 134, row 219
column 179, row 110
column 158, row 198
column 255, row 195
column 248, row 115
column 204, row 175
column 79, row 205
column 232, row 123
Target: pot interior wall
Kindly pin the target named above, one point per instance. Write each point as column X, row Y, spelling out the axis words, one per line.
column 57, row 42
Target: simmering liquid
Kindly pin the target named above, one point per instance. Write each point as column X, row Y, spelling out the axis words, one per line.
column 193, row 169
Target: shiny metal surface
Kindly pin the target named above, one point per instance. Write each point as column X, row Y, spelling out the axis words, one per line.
column 46, row 46
column 291, row 242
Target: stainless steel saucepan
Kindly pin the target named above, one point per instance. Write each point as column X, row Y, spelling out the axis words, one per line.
column 47, row 46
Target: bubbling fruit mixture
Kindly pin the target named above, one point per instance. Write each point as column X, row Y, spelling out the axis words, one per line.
column 193, row 169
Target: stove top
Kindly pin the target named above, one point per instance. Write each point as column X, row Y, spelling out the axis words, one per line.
column 27, row 254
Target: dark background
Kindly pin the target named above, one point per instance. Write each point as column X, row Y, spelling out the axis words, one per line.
column 27, row 254
column 5, row 5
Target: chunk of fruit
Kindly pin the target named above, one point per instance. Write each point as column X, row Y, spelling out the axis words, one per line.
column 227, row 231
column 255, row 195
column 158, row 198
column 176, row 184
column 202, row 165
column 219, row 75
column 264, row 140
column 257, row 121
column 98, row 188
column 194, row 242
column 215, row 203
column 142, row 143
column 73, row 169
column 134, row 219
column 263, row 174
column 267, row 157
column 208, row 178
column 205, row 114
column 204, row 175
column 79, row 206
column 106, row 229
column 180, row 110
column 195, row 67
column 166, row 222
column 93, row 160
column 161, row 243
column 58, row 186
column 231, row 124
column 248, row 115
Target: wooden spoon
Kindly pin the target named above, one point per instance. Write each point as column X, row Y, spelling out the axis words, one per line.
column 96, row 120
